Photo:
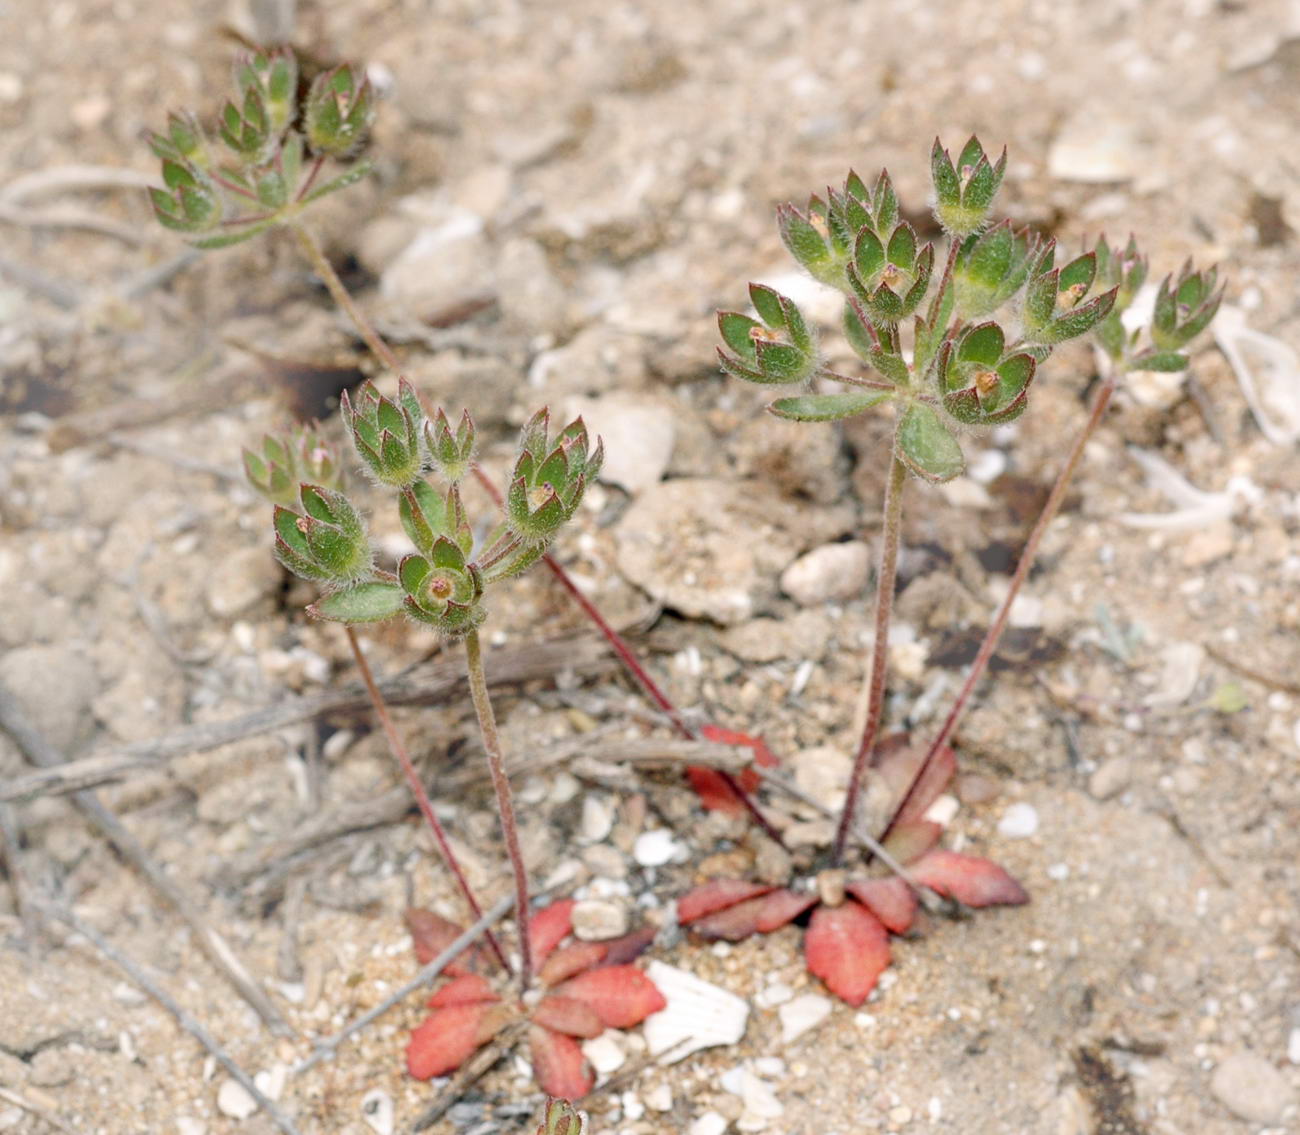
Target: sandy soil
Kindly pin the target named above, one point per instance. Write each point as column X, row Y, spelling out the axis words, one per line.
column 611, row 172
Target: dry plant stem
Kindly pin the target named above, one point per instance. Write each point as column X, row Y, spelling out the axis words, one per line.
column 165, row 999
column 13, row 720
column 487, row 724
column 1100, row 402
column 325, row 271
column 427, row 973
column 398, row 747
column 885, row 577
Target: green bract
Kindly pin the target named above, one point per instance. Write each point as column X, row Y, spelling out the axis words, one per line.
column 549, row 478
column 285, row 462
column 964, row 193
column 327, row 541
column 269, row 178
column 388, row 434
column 443, row 589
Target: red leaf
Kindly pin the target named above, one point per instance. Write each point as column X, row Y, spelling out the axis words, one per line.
column 621, row 995
column 715, row 794
column 969, row 879
column 779, row 908
column 929, row 787
column 549, row 927
column 715, row 895
column 762, row 754
column 448, row 1037
column 890, row 900
column 620, row 951
column 732, row 923
column 571, row 959
column 712, row 788
column 567, row 1015
column 848, row 949
column 559, row 1065
column 468, row 989
column 912, row 840
column 431, row 934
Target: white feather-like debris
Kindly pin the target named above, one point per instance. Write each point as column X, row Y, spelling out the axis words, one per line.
column 1268, row 371
column 1193, row 507
column 698, row 1015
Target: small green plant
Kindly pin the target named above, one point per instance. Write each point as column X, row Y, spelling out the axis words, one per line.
column 278, row 145
column 953, row 370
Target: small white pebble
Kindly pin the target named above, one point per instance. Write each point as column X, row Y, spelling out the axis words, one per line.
column 377, row 1111
column 659, row 1098
column 188, row 1125
column 710, row 1123
column 655, row 848
column 633, row 1108
column 802, row 1014
column 605, row 1053
column 1019, row 821
column 233, row 1100
column 778, row 993
column 1293, row 1046
column 1058, row 872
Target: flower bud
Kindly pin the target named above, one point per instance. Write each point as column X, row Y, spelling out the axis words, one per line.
column 327, row 542
column 387, row 433
column 964, row 194
column 779, row 351
column 442, row 589
column 339, row 112
column 979, row 385
column 549, row 479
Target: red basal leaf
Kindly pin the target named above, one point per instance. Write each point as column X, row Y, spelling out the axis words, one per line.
column 931, row 785
column 468, row 989
column 779, row 908
column 733, row 923
column 715, row 793
column 912, row 840
column 620, row 951
column 969, row 879
column 549, row 927
column 559, row 1065
column 448, row 1037
column 890, row 900
column 715, row 895
column 571, row 959
column 762, row 754
column 431, row 934
column 568, row 1015
column 621, row 995
column 848, row 949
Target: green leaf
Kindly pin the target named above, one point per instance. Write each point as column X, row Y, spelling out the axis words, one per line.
column 1040, row 300
column 364, row 603
column 868, row 255
column 801, row 238
column 1159, row 361
column 1078, row 274
column 236, row 236
column 982, row 344
column 348, row 177
column 781, row 363
column 1081, row 320
column 926, row 445
column 902, row 247
column 947, row 186
column 827, row 407
column 768, row 305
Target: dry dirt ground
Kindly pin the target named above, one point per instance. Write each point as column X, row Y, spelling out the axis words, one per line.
column 565, row 194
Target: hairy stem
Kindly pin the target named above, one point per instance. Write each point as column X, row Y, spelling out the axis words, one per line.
column 1101, row 400
column 325, row 270
column 487, row 724
column 398, row 748
column 876, row 678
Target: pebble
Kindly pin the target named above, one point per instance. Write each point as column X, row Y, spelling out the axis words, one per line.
column 1019, row 821
column 444, row 265
column 1093, row 149
column 605, row 861
column 659, row 1098
column 1293, row 1046
column 758, row 1097
column 1251, row 1088
column 802, row 1014
column 240, row 581
column 527, row 290
column 823, row 773
column 833, row 572
column 778, row 993
column 1209, row 544
column 377, row 1111
column 605, row 1053
column 596, row 921
column 1111, row 778
column 189, row 1125
column 54, row 686
column 655, row 848
column 233, row 1100
column 710, row 1123
column 597, row 819
column 639, row 435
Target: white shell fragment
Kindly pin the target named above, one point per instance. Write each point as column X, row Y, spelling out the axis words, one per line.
column 698, row 1015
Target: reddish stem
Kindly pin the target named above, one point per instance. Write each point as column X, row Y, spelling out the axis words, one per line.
column 487, row 723
column 1052, row 506
column 398, row 748
column 885, row 578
